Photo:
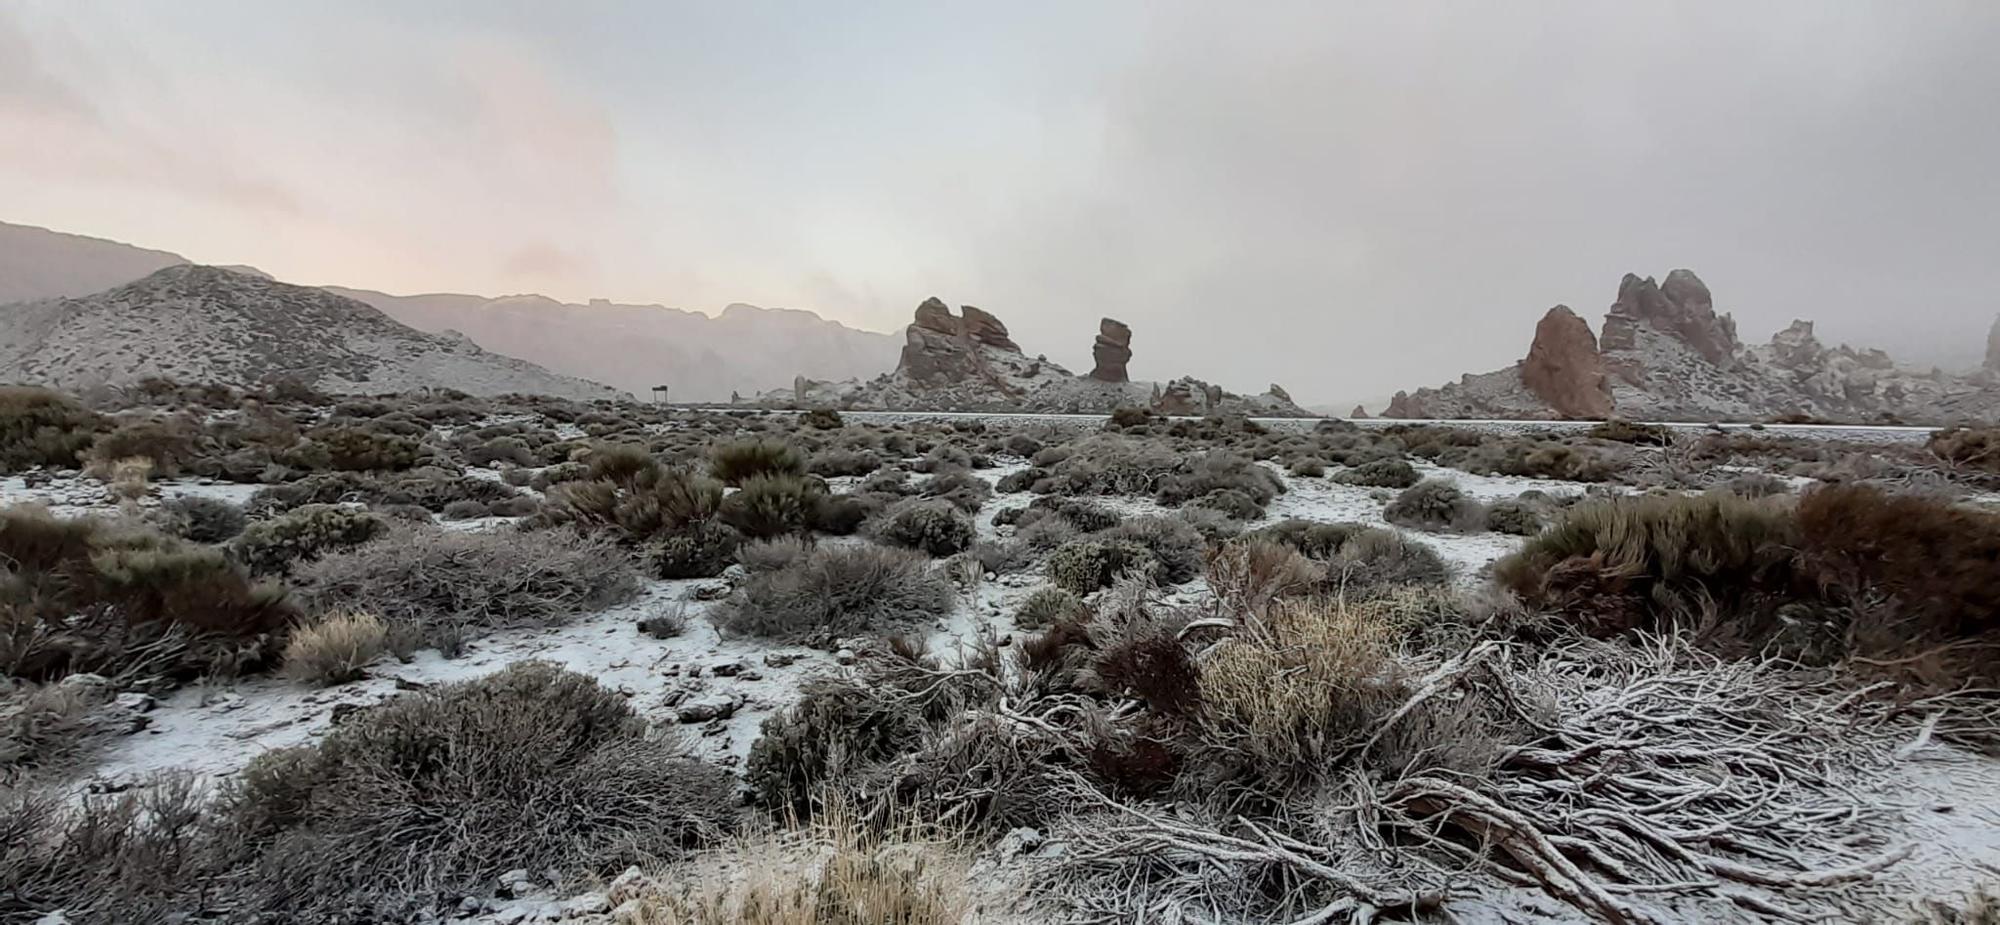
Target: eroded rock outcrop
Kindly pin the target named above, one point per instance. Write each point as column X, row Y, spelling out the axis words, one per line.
column 1993, row 346
column 1564, row 368
column 1111, row 351
column 1665, row 354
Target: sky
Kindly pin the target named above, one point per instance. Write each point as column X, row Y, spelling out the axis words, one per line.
column 1346, row 198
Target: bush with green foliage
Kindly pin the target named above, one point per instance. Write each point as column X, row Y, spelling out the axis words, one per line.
column 1975, row 448
column 353, row 449
column 837, row 726
column 832, row 463
column 836, row 592
column 1174, row 544
column 1084, row 566
column 170, row 442
column 1623, row 431
column 736, row 461
column 1045, row 607
column 1513, row 516
column 201, row 519
column 822, row 419
column 275, row 546
column 124, row 601
column 42, row 427
column 774, row 505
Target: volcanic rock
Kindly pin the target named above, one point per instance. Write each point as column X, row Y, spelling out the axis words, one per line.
column 986, row 329
column 1112, row 350
column 1564, row 368
column 1993, row 345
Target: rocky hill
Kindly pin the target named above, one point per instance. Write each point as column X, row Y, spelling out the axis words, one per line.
column 209, row 324
column 633, row 347
column 968, row 362
column 1665, row 354
column 636, row 347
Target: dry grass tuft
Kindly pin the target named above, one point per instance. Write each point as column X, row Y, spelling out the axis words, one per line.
column 335, row 649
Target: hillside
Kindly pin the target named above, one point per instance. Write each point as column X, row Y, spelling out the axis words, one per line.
column 207, row 324
column 1665, row 354
column 36, row 264
column 635, row 347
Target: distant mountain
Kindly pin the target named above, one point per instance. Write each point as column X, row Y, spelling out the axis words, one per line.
column 208, row 324
column 36, row 263
column 745, row 350
column 1663, row 353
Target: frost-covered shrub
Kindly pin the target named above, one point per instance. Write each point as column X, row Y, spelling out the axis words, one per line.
column 1086, row 565
column 838, row 591
column 353, row 449
column 837, row 462
column 201, row 519
column 1020, row 480
column 1515, row 517
column 1435, row 504
column 442, row 579
column 435, row 793
column 837, row 725
column 735, row 461
column 1382, row 473
column 822, row 419
column 1230, row 503
column 773, row 505
column 699, row 551
column 934, row 527
column 275, row 546
column 962, row 489
column 1218, row 470
column 1174, row 544
column 1045, row 607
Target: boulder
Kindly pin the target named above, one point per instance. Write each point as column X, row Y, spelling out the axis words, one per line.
column 1182, row 396
column 1111, row 351
column 983, row 328
column 1359, row 413
column 1564, row 368
column 1404, row 406
column 1796, row 348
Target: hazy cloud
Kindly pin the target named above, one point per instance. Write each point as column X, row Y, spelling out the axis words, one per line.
column 1343, row 198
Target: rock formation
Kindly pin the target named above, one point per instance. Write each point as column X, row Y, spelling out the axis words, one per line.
column 1564, row 368
column 1111, row 351
column 967, row 362
column 1665, row 354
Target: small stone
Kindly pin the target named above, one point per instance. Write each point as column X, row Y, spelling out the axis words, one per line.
column 585, row 904
column 136, row 702
column 629, row 886
column 57, row 917
column 780, row 659
column 1020, row 841
column 516, row 882
column 713, row 591
column 705, row 708
column 229, row 703
column 726, row 669
column 845, row 656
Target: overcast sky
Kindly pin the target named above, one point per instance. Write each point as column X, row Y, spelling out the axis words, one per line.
column 1346, row 198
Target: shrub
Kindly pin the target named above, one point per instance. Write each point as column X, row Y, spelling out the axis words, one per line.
column 1969, row 447
column 1609, row 563
column 1623, row 431
column 1022, row 445
column 273, row 547
column 1020, row 480
column 46, row 726
column 1435, row 504
column 1374, row 559
column 1310, row 538
column 1172, row 542
column 201, row 519
column 352, row 449
column 40, row 427
column 838, row 591
column 335, row 648
column 934, row 527
column 1218, row 470
column 169, row 442
column 736, row 461
column 465, row 510
column 965, row 491
column 773, row 505
column 1382, row 473
column 1299, row 685
column 440, row 579
column 835, row 727
column 1756, row 485
column 399, row 807
column 1087, row 565
column 1045, row 607
column 699, row 551
column 831, row 463
column 1251, row 573
column 136, row 856
column 126, row 602
column 773, row 554
column 822, row 419
column 1518, row 518
column 1122, row 418
column 1935, row 562
column 1230, row 503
